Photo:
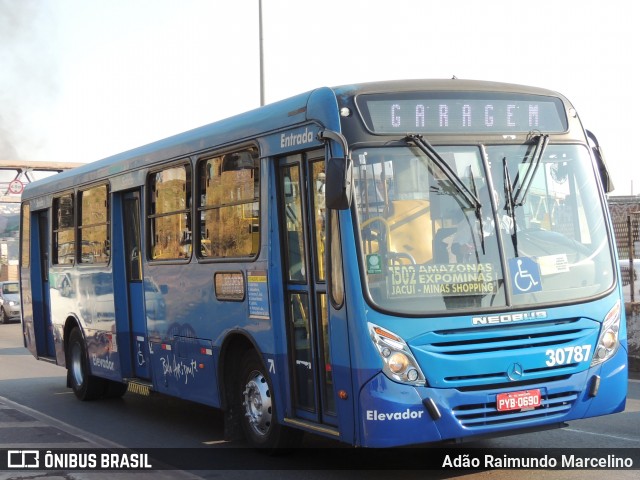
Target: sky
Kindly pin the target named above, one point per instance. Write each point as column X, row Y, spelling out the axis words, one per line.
column 84, row 79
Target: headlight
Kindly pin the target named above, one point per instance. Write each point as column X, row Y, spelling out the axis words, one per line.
column 12, row 303
column 609, row 341
column 399, row 363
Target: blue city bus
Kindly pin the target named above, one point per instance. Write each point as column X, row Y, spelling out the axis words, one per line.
column 383, row 264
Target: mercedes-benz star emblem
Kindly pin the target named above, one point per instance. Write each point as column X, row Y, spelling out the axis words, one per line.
column 515, row 371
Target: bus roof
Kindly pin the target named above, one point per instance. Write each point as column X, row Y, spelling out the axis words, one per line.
column 308, row 106
column 449, row 85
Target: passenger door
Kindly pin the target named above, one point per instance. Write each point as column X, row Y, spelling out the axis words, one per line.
column 137, row 308
column 41, row 301
column 130, row 294
column 303, row 227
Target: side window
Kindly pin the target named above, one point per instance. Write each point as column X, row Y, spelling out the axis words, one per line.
column 169, row 213
column 64, row 244
column 229, row 205
column 318, row 182
column 337, row 280
column 94, row 225
column 25, row 254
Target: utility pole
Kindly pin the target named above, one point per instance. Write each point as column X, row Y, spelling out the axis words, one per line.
column 261, row 54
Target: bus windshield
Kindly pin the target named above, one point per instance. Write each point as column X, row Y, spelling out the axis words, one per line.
column 539, row 234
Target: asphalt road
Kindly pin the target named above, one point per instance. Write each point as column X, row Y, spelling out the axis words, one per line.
column 36, row 409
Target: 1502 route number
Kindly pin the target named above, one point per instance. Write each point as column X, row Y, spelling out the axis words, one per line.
column 567, row 355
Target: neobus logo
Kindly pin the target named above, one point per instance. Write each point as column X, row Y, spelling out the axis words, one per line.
column 509, row 317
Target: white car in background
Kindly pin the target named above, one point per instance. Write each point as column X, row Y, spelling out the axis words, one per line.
column 9, row 302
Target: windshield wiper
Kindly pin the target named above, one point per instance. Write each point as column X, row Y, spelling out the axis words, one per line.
column 510, row 204
column 478, row 209
column 470, row 198
column 542, row 141
column 517, row 200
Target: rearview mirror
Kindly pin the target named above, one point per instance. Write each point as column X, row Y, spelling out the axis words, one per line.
column 605, row 176
column 339, row 183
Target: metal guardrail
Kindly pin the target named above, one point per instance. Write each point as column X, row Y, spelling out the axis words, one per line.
column 627, row 234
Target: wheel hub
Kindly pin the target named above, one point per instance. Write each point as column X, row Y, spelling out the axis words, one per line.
column 257, row 403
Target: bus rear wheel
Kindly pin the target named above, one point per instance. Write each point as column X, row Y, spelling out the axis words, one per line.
column 85, row 386
column 258, row 409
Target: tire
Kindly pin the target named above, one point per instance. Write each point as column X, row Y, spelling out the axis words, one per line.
column 257, row 408
column 3, row 316
column 85, row 386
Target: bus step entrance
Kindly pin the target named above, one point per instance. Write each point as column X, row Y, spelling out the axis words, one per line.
column 312, row 426
column 48, row 359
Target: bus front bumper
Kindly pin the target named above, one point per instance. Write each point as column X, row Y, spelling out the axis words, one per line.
column 393, row 414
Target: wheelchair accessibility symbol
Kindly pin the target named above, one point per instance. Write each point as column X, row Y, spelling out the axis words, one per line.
column 141, row 360
column 525, row 275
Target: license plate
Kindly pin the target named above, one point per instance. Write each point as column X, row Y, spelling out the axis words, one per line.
column 524, row 400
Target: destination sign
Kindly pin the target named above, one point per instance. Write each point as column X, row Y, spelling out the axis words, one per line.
column 442, row 280
column 461, row 112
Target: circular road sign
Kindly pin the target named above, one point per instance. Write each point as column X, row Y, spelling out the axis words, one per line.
column 16, row 187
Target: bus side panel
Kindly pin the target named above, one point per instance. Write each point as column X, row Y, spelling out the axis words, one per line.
column 181, row 353
column 185, row 368
column 90, row 300
column 102, row 349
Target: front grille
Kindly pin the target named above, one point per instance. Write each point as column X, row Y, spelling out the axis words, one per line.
column 500, row 379
column 484, row 415
column 522, row 385
column 479, row 358
column 506, row 337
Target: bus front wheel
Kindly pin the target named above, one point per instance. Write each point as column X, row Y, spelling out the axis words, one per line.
column 258, row 414
column 85, row 386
